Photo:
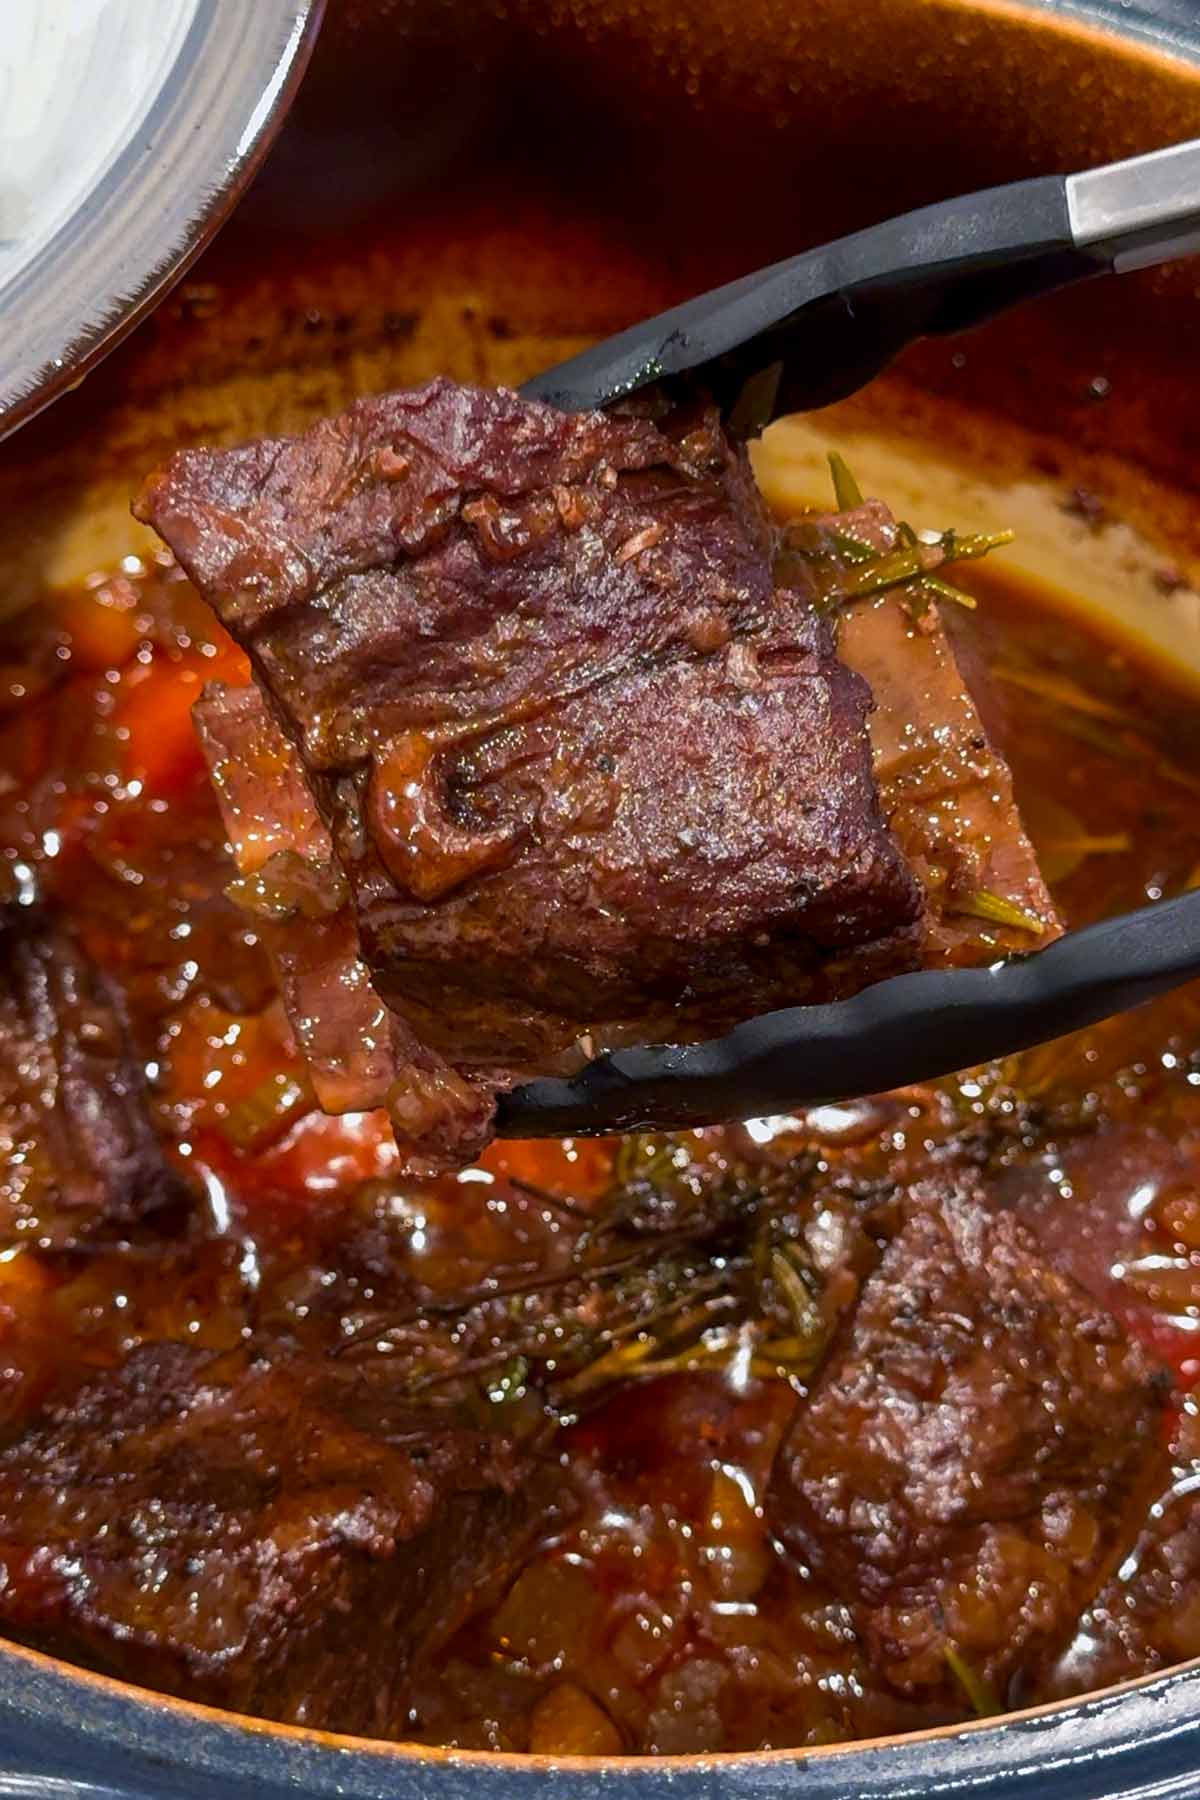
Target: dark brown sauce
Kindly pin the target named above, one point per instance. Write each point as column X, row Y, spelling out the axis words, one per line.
column 661, row 1617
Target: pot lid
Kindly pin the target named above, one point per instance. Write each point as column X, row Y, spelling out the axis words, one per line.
column 127, row 131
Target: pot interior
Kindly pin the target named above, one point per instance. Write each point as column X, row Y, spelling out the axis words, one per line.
column 480, row 192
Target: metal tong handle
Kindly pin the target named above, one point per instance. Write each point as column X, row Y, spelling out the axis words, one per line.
column 1139, row 212
column 819, row 326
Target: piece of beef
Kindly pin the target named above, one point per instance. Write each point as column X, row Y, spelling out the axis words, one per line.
column 359, row 1053
column 449, row 555
column 1146, row 1615
column 697, row 841
column 283, row 1538
column 972, row 1452
column 587, row 774
column 945, row 792
column 78, row 1151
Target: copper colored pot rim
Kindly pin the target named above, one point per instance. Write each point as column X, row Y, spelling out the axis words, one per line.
column 67, row 1732
column 521, row 1762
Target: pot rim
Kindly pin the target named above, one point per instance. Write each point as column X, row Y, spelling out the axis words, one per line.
column 1077, row 1740
column 387, row 1749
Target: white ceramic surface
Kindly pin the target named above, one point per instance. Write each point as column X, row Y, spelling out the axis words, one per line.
column 127, row 127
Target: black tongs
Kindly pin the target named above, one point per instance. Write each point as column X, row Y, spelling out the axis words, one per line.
column 802, row 334
column 820, row 326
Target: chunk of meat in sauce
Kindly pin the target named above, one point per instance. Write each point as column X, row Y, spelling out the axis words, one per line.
column 634, row 1601
column 284, row 1538
column 78, row 1151
column 683, row 862
column 1146, row 1615
column 446, row 554
column 547, row 697
column 972, row 1454
column 359, row 1054
column 946, row 793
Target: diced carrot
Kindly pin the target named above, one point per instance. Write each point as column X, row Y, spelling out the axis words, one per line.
column 579, row 1169
column 311, row 1172
column 321, row 1154
column 229, row 664
column 568, row 1722
column 25, row 1285
column 154, row 713
column 219, row 1061
column 101, row 624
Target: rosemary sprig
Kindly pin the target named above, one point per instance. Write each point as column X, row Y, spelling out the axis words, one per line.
column 789, row 1276
column 916, row 560
column 983, row 904
column 1060, row 690
column 943, row 590
column 850, row 548
column 1116, row 843
column 846, row 490
column 855, row 569
column 980, row 1694
column 711, row 1269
